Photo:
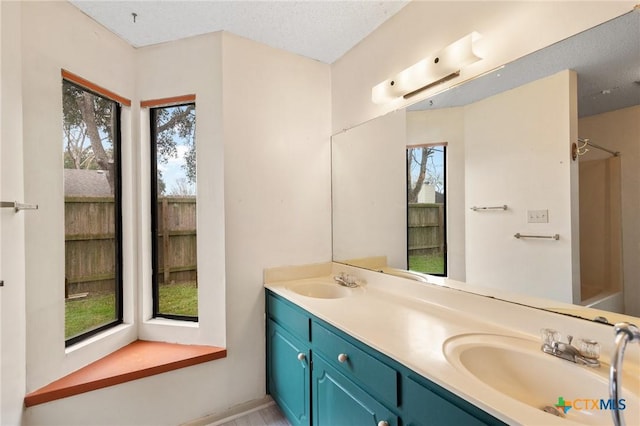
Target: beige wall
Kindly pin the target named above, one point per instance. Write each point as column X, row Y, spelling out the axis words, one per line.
column 279, row 163
column 189, row 66
column 369, row 191
column 510, row 30
column 517, row 153
column 264, row 200
column 620, row 131
column 57, row 36
column 277, row 180
column 12, row 271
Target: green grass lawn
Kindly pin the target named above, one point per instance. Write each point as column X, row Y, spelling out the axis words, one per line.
column 82, row 315
column 85, row 314
column 179, row 299
column 433, row 264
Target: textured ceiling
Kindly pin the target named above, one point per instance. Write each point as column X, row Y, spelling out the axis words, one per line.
column 322, row 29
column 606, row 58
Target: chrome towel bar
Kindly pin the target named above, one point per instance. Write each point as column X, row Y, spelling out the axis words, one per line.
column 475, row 209
column 551, row 237
column 18, row 206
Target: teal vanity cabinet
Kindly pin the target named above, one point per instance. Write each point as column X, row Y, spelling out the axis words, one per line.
column 321, row 376
column 289, row 360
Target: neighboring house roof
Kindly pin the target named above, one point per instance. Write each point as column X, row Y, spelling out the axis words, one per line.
column 86, row 183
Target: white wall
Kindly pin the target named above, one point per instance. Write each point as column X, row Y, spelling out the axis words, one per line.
column 189, row 66
column 369, row 191
column 277, row 188
column 56, row 35
column 270, row 154
column 620, row 131
column 12, row 295
column 446, row 125
column 517, row 147
column 510, row 30
column 289, row 102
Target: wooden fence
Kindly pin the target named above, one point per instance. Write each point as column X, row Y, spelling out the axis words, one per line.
column 90, row 242
column 426, row 229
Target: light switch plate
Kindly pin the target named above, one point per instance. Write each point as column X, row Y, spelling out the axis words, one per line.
column 537, row 216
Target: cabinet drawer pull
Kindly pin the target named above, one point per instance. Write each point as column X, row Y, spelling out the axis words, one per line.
column 301, row 356
column 343, row 357
column 383, row 423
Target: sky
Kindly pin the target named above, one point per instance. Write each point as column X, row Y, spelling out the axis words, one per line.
column 173, row 171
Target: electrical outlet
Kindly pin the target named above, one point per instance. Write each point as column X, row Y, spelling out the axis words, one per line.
column 537, row 216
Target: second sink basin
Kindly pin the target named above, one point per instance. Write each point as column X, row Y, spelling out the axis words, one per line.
column 322, row 289
column 518, row 369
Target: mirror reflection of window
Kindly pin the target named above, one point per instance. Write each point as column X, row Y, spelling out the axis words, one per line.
column 426, row 209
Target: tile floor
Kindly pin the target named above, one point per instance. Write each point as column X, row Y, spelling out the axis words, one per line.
column 268, row 416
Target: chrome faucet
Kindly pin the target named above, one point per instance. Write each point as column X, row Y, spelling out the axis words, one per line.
column 346, row 280
column 588, row 353
column 625, row 333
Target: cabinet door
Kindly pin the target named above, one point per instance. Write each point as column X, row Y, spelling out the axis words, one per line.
column 288, row 376
column 423, row 407
column 337, row 401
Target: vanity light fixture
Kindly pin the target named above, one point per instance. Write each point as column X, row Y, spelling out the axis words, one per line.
column 429, row 72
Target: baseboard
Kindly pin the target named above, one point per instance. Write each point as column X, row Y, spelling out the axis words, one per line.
column 232, row 413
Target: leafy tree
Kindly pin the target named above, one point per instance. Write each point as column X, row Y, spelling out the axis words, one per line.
column 416, row 157
column 182, row 188
column 88, row 127
column 177, row 124
column 421, row 159
column 88, row 133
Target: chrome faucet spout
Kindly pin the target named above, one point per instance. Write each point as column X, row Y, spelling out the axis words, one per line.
column 625, row 333
column 569, row 352
column 345, row 280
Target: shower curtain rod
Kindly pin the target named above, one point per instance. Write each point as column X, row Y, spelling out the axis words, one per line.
column 587, row 142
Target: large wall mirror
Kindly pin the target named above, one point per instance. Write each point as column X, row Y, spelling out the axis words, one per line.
column 503, row 208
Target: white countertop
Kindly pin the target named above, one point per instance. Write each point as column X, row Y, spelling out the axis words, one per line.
column 410, row 322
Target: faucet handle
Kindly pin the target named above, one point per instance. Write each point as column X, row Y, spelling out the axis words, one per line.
column 549, row 336
column 589, row 348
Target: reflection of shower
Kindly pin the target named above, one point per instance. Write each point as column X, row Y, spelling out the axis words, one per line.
column 600, row 209
column 581, row 150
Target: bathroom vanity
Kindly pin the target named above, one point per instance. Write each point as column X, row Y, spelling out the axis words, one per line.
column 313, row 367
column 395, row 352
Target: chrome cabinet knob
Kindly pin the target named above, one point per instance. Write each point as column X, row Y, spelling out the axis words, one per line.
column 343, row 357
column 301, row 356
column 383, row 423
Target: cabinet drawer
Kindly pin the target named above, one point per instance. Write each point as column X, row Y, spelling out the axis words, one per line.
column 372, row 374
column 291, row 318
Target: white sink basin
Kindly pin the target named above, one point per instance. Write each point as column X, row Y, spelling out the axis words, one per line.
column 518, row 369
column 322, row 289
column 405, row 274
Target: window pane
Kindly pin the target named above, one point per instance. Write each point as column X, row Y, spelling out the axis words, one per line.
column 91, row 210
column 426, row 236
column 174, row 216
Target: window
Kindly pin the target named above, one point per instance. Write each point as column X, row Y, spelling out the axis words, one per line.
column 173, row 212
column 426, row 209
column 92, row 211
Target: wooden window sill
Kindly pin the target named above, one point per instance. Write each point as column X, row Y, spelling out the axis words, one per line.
column 134, row 361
